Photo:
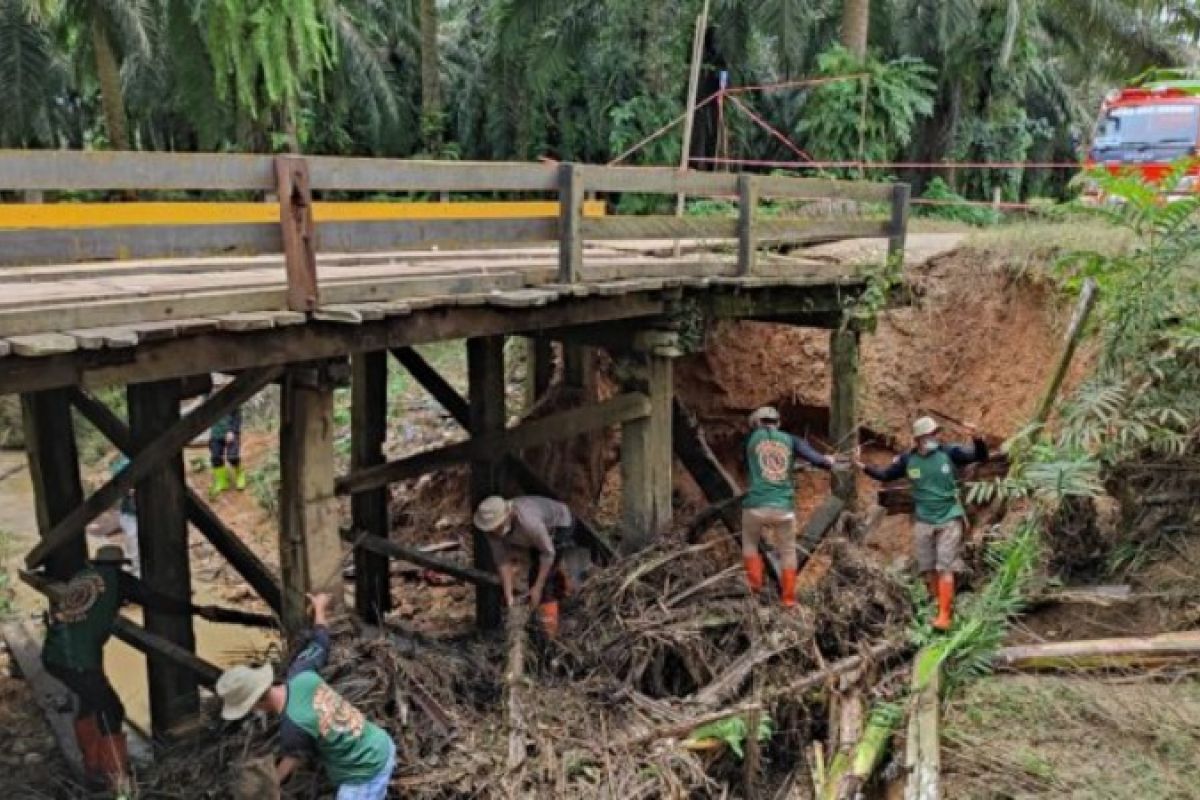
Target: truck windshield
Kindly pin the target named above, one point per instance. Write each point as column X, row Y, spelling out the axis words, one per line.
column 1150, row 126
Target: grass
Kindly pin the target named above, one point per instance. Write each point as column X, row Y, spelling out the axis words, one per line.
column 6, row 590
column 1093, row 739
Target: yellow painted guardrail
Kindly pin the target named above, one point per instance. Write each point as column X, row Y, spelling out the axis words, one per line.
column 27, row 216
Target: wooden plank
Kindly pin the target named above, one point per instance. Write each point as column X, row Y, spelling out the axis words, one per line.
column 99, row 338
column 156, row 331
column 82, row 170
column 715, row 229
column 222, row 538
column 310, row 545
column 170, row 442
column 522, row 298
column 658, row 180
column 746, row 233
column 389, row 549
column 38, row 345
column 843, row 408
column 127, row 311
column 5, row 348
column 807, row 231
column 244, row 322
column 486, row 420
column 345, row 315
column 393, row 175
column 297, row 232
column 165, row 557
column 286, row 319
column 137, row 637
column 533, row 433
column 369, row 510
column 570, row 235
column 49, row 432
column 784, row 187
column 215, row 353
column 47, row 692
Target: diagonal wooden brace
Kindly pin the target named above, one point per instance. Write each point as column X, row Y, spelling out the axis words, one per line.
column 142, row 464
column 200, row 514
column 299, row 232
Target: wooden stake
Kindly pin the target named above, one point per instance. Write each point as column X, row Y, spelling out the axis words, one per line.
column 369, row 509
column 1075, row 331
column 298, row 231
column 689, row 121
column 646, row 456
column 843, row 407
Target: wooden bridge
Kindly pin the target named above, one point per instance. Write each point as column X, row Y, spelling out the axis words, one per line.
column 312, row 273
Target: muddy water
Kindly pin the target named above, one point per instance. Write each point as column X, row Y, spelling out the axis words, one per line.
column 223, row 645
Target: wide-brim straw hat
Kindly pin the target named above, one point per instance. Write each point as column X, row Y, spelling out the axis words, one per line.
column 491, row 514
column 110, row 554
column 925, row 426
column 241, row 687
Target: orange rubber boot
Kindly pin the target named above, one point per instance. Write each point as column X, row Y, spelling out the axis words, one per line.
column 87, row 735
column 112, row 756
column 945, row 598
column 754, row 572
column 548, row 616
column 787, row 588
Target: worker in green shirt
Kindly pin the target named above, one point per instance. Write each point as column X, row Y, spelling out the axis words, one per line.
column 314, row 720
column 79, row 623
column 931, row 468
column 770, row 503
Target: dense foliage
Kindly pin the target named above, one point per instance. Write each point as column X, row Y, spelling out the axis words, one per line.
column 576, row 79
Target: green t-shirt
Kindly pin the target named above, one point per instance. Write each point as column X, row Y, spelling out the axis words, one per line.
column 934, row 487
column 770, row 458
column 81, row 622
column 352, row 748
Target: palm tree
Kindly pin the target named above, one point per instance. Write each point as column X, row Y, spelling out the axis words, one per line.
column 856, row 20
column 431, row 92
column 35, row 76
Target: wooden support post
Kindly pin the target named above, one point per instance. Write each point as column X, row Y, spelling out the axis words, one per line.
column 646, row 456
column 485, row 369
column 54, row 470
column 579, row 366
column 899, row 222
column 299, row 232
column 310, row 556
column 1075, row 330
column 747, row 241
column 372, row 592
column 570, row 233
column 163, row 542
column 843, row 406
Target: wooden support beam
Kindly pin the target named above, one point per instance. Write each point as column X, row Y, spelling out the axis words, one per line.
column 579, row 365
column 150, row 457
column 310, row 546
column 843, row 407
column 485, row 370
column 747, row 240
column 646, row 455
column 299, row 232
column 163, row 542
column 54, row 471
column 369, row 509
column 899, row 222
column 387, row 549
column 494, row 446
column 539, row 368
column 226, row 542
column 717, row 485
column 570, row 233
column 520, row 470
column 156, row 647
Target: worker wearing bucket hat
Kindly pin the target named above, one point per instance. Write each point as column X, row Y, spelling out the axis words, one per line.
column 540, row 528
column 78, row 625
column 770, row 503
column 931, row 469
column 314, row 720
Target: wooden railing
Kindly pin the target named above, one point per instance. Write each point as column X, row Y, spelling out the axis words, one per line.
column 299, row 233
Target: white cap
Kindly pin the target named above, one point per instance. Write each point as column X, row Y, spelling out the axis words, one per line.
column 924, row 427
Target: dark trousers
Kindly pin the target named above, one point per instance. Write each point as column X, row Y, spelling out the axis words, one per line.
column 556, row 583
column 96, row 696
column 221, row 451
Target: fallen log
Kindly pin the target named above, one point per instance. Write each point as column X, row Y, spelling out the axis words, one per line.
column 1102, row 653
column 923, row 749
column 514, row 678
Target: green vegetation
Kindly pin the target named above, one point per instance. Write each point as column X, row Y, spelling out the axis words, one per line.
column 975, row 80
column 6, row 591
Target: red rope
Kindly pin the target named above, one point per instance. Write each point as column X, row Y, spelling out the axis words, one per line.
column 661, row 131
column 784, row 85
column 753, row 162
column 762, row 123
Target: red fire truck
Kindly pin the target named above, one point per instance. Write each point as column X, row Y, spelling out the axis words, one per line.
column 1147, row 127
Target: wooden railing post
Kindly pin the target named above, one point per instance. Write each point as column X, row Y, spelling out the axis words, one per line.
column 299, row 233
column 747, row 203
column 899, row 223
column 570, row 243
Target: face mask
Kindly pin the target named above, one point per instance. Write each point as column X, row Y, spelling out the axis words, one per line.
column 928, row 446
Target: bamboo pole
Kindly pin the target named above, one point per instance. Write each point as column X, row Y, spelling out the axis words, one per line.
column 1102, row 653
column 689, row 121
column 1083, row 310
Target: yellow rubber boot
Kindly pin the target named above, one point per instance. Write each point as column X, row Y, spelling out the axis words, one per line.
column 220, row 481
column 239, row 478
